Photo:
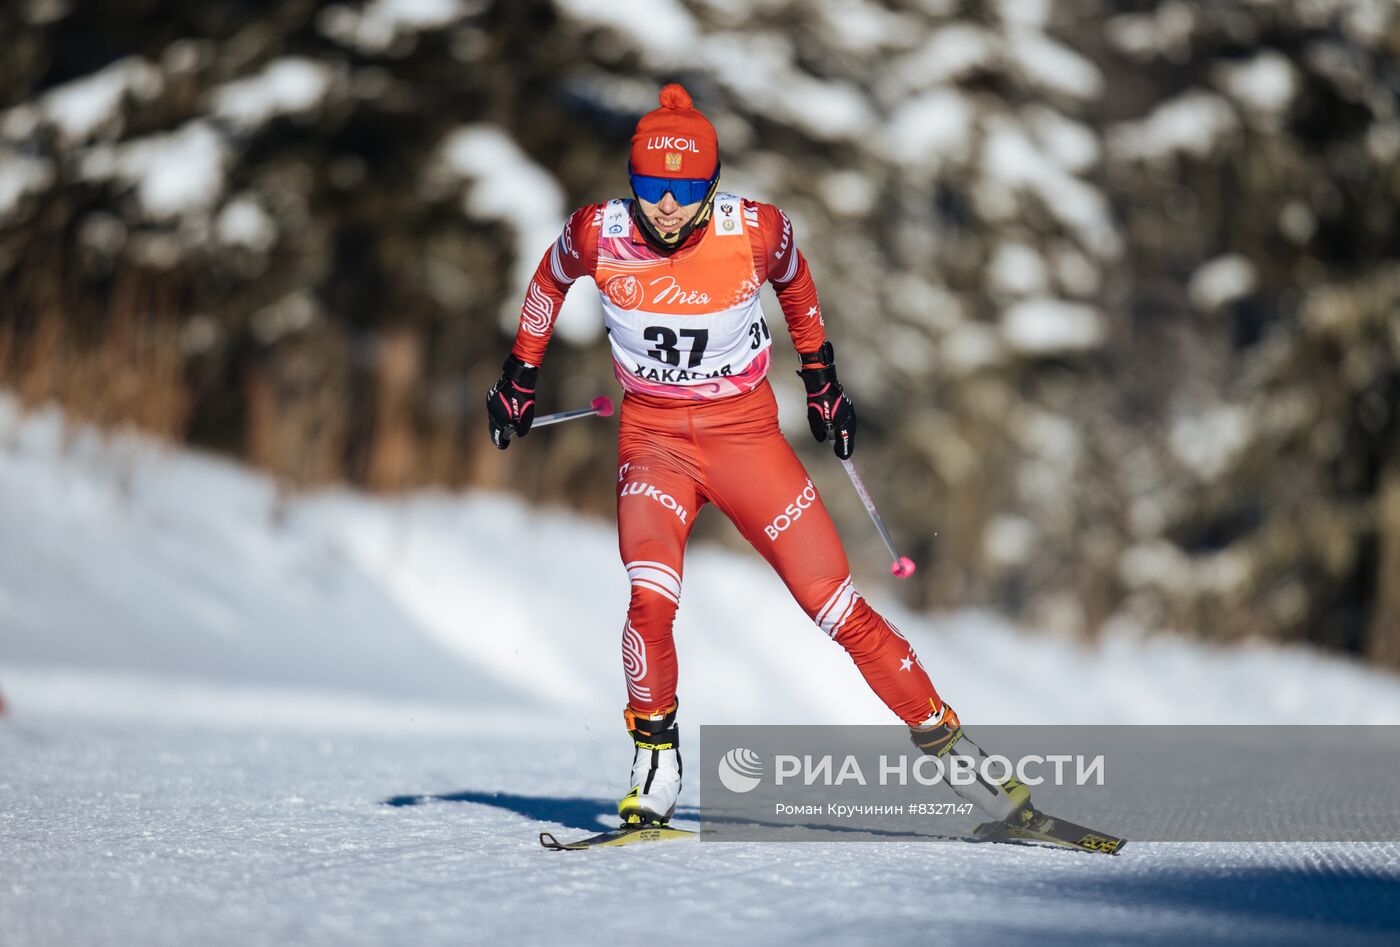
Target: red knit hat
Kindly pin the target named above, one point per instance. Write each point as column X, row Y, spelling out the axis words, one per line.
column 675, row 141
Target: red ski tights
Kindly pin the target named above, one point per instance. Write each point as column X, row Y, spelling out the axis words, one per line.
column 676, row 456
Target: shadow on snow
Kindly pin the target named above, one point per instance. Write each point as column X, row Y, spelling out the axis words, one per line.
column 589, row 814
column 1312, row 899
column 578, row 812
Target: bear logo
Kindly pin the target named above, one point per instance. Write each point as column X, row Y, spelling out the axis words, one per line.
column 625, row 292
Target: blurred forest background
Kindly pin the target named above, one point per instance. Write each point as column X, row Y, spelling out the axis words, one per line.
column 1116, row 285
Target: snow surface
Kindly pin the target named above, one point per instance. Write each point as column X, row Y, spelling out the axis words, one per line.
column 237, row 717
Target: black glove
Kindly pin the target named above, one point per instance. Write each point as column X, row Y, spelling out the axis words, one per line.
column 829, row 408
column 511, row 404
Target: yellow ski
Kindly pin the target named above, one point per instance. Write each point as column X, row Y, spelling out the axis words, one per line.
column 622, row 835
column 1035, row 826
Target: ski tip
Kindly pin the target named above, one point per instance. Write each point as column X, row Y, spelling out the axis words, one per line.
column 903, row 568
column 603, row 405
column 549, row 841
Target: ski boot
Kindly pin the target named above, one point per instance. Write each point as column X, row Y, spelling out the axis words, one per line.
column 1006, row 800
column 656, row 768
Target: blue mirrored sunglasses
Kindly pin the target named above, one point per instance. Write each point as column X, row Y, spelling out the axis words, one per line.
column 685, row 190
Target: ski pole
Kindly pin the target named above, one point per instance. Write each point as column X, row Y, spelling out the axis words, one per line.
column 903, row 566
column 601, row 406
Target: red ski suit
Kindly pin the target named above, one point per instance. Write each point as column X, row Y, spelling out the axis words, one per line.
column 699, row 424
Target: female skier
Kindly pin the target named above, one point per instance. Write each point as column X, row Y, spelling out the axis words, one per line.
column 679, row 268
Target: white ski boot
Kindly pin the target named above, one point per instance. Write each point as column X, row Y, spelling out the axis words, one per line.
column 656, row 768
column 943, row 737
